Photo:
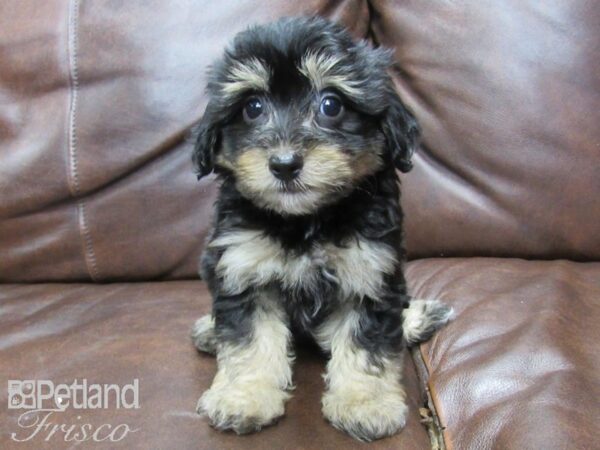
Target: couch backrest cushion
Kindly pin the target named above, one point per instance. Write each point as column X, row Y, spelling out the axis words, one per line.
column 508, row 95
column 97, row 98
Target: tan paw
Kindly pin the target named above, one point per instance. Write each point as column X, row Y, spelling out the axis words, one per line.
column 365, row 415
column 242, row 408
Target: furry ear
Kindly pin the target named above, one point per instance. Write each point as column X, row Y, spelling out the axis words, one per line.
column 207, row 136
column 401, row 132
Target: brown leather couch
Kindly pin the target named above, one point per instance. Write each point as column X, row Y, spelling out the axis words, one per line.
column 102, row 220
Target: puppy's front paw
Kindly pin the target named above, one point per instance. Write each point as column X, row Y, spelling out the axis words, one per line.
column 364, row 414
column 243, row 409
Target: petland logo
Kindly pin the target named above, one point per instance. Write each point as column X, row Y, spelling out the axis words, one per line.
column 43, row 402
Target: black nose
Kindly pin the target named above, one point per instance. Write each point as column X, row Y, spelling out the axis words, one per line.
column 286, row 167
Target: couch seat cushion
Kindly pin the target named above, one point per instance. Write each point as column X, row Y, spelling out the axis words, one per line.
column 519, row 366
column 116, row 333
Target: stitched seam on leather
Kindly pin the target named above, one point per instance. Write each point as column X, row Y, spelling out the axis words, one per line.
column 73, row 42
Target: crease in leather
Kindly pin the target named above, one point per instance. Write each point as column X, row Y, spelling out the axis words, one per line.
column 370, row 34
column 73, row 174
column 435, row 427
column 423, row 371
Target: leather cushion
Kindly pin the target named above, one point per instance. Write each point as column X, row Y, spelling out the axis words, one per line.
column 96, row 102
column 518, row 367
column 118, row 332
column 508, row 96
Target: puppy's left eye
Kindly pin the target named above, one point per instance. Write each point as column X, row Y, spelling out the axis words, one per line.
column 253, row 109
column 331, row 106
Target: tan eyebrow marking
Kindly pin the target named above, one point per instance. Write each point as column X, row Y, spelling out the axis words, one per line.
column 320, row 69
column 251, row 74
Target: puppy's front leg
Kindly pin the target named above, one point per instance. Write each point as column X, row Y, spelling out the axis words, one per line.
column 364, row 395
column 254, row 367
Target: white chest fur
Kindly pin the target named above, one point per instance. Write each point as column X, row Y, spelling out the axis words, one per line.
column 250, row 258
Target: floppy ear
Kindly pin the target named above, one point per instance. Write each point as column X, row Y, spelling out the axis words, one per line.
column 207, row 136
column 401, row 132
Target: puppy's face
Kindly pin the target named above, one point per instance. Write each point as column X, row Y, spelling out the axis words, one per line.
column 299, row 114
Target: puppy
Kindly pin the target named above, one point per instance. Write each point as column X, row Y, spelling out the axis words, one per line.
column 305, row 132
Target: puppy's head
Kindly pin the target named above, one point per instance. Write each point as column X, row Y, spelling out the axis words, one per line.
column 299, row 113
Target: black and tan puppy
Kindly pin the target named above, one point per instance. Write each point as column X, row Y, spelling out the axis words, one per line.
column 305, row 132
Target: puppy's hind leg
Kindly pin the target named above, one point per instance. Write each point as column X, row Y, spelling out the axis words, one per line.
column 423, row 318
column 203, row 335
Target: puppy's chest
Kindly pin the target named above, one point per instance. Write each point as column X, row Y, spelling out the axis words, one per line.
column 356, row 269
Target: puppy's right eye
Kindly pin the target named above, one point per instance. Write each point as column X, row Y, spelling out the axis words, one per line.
column 331, row 106
column 252, row 109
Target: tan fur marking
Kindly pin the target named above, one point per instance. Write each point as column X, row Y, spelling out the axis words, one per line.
column 252, row 74
column 327, row 169
column 256, row 181
column 320, row 69
column 360, row 267
column 249, row 390
column 365, row 400
column 252, row 258
column 252, row 167
column 223, row 162
column 329, row 165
